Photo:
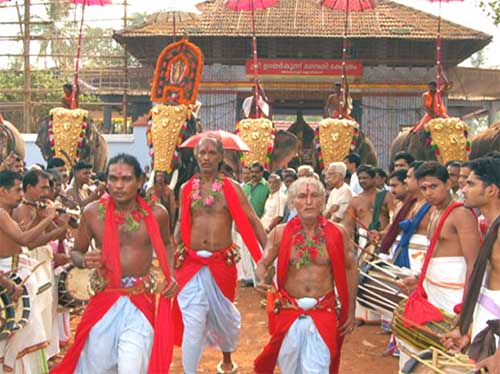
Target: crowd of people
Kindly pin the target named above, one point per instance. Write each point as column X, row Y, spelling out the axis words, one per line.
column 164, row 270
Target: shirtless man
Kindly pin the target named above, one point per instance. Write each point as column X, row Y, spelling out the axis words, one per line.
column 481, row 191
column 120, row 323
column 164, row 195
column 79, row 189
column 206, row 257
column 339, row 103
column 30, row 338
column 315, row 270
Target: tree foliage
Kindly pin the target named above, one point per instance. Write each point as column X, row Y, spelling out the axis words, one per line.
column 492, row 8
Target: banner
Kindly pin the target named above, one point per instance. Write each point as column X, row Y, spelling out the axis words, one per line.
column 304, row 67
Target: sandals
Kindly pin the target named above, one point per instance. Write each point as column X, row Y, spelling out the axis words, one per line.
column 220, row 370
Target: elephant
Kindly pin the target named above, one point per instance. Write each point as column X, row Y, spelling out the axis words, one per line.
column 413, row 143
column 10, row 141
column 486, row 141
column 94, row 150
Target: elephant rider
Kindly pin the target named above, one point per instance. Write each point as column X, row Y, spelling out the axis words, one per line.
column 248, row 106
column 339, row 103
column 67, row 99
column 206, row 258
column 312, row 306
column 432, row 101
column 79, row 190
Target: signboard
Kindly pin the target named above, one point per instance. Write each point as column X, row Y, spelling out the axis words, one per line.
column 304, row 67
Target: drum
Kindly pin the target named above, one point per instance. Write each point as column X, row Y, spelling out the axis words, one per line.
column 378, row 286
column 73, row 287
column 7, row 314
column 420, row 337
column 23, row 305
column 434, row 361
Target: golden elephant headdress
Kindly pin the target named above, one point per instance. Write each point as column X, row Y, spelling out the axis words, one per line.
column 335, row 138
column 258, row 134
column 448, row 139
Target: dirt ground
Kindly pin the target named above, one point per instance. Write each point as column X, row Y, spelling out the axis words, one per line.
column 362, row 351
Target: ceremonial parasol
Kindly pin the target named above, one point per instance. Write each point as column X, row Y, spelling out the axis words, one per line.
column 84, row 3
column 347, row 6
column 229, row 140
column 179, row 11
column 252, row 5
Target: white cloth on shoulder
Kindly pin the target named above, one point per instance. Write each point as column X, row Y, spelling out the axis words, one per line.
column 209, row 319
column 444, row 282
column 120, row 343
column 487, row 307
column 303, row 350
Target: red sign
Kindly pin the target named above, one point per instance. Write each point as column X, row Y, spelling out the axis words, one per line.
column 304, row 67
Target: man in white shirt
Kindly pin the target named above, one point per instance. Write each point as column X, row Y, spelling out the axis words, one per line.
column 352, row 161
column 275, row 204
column 341, row 193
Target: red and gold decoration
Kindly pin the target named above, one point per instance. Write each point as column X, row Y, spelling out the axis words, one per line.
column 335, row 138
column 66, row 130
column 448, row 139
column 258, row 133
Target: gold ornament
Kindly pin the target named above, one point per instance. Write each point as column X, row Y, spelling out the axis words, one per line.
column 67, row 126
column 335, row 138
column 448, row 134
column 167, row 121
column 256, row 133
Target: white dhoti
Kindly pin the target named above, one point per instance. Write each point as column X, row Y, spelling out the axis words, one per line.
column 209, row 319
column 417, row 248
column 487, row 307
column 246, row 266
column 303, row 350
column 23, row 352
column 120, row 343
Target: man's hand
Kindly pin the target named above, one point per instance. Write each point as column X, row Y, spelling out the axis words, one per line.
column 408, row 285
column 18, row 292
column 374, row 236
column 491, row 363
column 61, row 259
column 92, row 259
column 263, row 289
column 348, row 326
column 170, row 289
column 49, row 211
column 453, row 341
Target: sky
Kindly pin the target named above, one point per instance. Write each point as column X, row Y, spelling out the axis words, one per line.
column 465, row 12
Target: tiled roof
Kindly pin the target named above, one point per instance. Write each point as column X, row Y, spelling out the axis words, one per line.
column 305, row 18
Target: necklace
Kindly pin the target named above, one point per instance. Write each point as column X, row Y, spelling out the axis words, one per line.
column 308, row 249
column 131, row 221
column 213, row 195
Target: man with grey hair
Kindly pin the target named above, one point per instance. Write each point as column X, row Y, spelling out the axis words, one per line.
column 275, row 204
column 305, row 171
column 310, row 315
column 341, row 193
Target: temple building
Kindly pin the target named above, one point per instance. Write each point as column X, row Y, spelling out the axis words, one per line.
column 391, row 50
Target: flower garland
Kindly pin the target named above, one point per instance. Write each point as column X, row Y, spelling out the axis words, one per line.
column 308, row 250
column 131, row 220
column 354, row 143
column 213, row 195
column 81, row 138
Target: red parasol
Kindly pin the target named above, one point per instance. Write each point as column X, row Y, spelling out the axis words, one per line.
column 229, row 140
column 84, row 3
column 252, row 5
column 347, row 6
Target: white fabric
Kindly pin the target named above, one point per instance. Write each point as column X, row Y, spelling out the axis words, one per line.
column 457, row 196
column 355, row 186
column 482, row 315
column 303, row 350
column 209, row 319
column 306, row 303
column 32, row 336
column 248, row 104
column 340, row 196
column 445, row 270
column 120, row 343
column 416, row 251
column 274, row 207
column 245, row 266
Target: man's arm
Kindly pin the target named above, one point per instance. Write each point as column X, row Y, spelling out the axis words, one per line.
column 326, row 110
column 258, row 228
column 271, row 252
column 163, row 219
column 352, row 282
column 58, row 233
column 177, row 230
column 349, row 222
column 429, row 111
column 82, row 239
column 25, row 238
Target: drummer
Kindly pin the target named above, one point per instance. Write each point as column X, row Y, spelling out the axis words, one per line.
column 482, row 191
column 24, row 349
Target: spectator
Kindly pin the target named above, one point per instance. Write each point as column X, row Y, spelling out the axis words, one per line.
column 274, row 208
column 352, row 162
column 381, row 179
column 257, row 190
column 341, row 193
column 402, row 160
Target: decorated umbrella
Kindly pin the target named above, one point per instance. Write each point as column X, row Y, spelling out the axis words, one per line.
column 229, row 140
column 347, row 6
column 179, row 11
column 252, row 5
column 84, row 3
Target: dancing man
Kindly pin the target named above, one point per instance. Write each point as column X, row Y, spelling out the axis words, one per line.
column 312, row 306
column 123, row 330
column 206, row 258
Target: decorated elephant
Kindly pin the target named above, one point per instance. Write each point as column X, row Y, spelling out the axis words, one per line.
column 486, row 141
column 442, row 139
column 10, row 141
column 71, row 135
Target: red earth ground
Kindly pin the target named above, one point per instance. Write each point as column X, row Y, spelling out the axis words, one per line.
column 362, row 351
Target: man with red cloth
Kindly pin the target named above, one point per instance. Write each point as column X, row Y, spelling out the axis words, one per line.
column 123, row 330
column 312, row 306
column 206, row 259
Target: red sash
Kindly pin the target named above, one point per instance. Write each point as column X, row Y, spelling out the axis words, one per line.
column 324, row 319
column 224, row 275
column 160, row 318
column 418, row 309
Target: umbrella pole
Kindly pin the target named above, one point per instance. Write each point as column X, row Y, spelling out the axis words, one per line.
column 255, row 73
column 344, row 57
column 77, row 63
column 174, row 29
column 438, row 60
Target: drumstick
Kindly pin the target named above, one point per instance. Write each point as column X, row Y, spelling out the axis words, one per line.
column 356, row 219
column 32, row 271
